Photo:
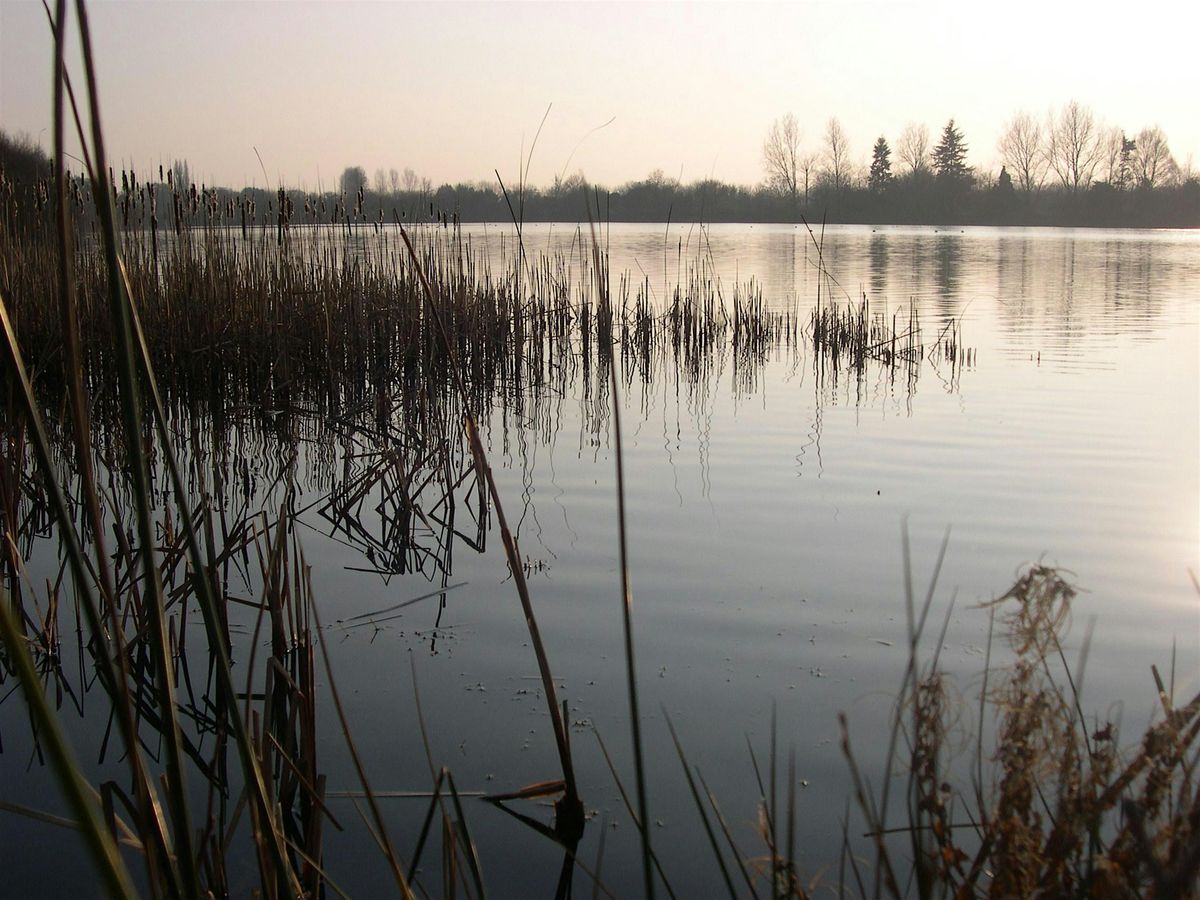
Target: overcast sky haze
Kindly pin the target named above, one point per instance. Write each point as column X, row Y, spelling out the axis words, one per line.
column 455, row 90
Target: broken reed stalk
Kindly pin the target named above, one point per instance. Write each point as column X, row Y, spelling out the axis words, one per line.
column 569, row 810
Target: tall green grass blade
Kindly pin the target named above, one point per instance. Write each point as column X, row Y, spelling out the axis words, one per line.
column 635, row 722
column 131, row 416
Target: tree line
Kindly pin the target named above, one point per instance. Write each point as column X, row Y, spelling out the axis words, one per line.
column 1063, row 169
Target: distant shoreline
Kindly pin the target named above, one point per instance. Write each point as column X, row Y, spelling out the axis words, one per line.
column 911, row 201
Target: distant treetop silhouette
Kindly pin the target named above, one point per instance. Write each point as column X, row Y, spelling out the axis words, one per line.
column 949, row 156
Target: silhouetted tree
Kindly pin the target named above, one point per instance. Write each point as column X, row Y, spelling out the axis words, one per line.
column 353, row 178
column 181, row 175
column 837, row 155
column 880, row 175
column 1125, row 170
column 808, row 169
column 913, row 149
column 660, row 179
column 566, row 187
column 781, row 156
column 1021, row 147
column 1074, row 146
column 1111, row 141
column 950, row 155
column 1152, row 160
column 21, row 159
column 1004, row 183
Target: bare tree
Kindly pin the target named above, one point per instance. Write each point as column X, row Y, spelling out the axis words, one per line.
column 1112, row 143
column 1022, row 152
column 181, row 176
column 1073, row 145
column 1187, row 171
column 571, row 184
column 410, row 181
column 393, row 181
column 913, row 149
column 808, row 170
column 380, row 181
column 1152, row 161
column 837, row 155
column 781, row 156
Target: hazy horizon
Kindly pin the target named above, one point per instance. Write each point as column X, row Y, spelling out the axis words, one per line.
column 454, row 91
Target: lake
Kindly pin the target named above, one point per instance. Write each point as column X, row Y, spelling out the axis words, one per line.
column 768, row 510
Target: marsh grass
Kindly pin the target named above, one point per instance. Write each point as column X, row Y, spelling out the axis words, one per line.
column 850, row 338
column 1056, row 808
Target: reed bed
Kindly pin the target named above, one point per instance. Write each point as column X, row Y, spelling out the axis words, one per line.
column 852, row 337
column 319, row 317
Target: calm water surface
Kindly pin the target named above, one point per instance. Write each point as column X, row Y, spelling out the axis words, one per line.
column 765, row 527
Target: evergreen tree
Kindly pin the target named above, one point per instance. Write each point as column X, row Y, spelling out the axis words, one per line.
column 880, row 175
column 1125, row 167
column 1004, row 183
column 949, row 156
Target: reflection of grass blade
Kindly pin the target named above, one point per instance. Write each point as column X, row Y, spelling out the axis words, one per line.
column 463, row 834
column 103, row 848
column 638, row 823
column 423, row 834
column 733, row 849
column 712, row 838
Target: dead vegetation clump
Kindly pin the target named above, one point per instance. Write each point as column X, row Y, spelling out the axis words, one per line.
column 1067, row 812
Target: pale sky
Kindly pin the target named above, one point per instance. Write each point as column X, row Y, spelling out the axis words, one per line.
column 456, row 90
